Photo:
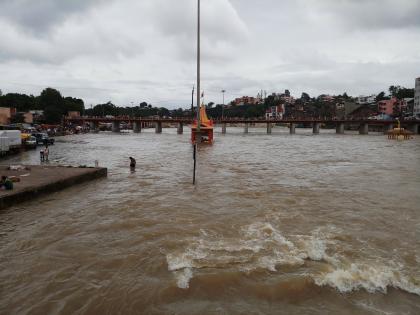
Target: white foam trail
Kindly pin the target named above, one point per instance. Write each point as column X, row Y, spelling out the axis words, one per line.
column 370, row 278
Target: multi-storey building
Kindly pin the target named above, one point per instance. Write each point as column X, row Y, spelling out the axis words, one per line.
column 246, row 100
column 363, row 100
column 6, row 113
column 275, row 112
column 386, row 107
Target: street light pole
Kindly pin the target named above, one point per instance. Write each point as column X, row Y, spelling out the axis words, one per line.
column 223, row 106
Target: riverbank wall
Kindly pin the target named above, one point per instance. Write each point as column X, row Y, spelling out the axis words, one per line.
column 38, row 180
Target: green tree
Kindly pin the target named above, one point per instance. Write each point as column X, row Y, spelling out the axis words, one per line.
column 21, row 102
column 400, row 92
column 405, row 93
column 163, row 112
column 74, row 104
column 104, row 110
column 393, row 90
column 17, row 119
column 380, row 97
column 305, row 97
column 53, row 104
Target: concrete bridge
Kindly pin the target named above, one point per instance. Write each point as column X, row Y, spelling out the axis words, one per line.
column 139, row 123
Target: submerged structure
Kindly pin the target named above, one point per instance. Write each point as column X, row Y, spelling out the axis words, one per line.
column 205, row 130
column 399, row 133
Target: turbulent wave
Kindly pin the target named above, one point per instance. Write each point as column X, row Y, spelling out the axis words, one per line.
column 370, row 278
column 261, row 246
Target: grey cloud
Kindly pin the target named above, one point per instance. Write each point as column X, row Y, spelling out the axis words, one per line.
column 222, row 28
column 77, row 37
column 367, row 14
column 133, row 50
column 219, row 19
column 40, row 16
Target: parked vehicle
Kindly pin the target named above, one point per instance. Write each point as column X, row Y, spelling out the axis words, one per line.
column 4, row 145
column 15, row 138
column 43, row 138
column 31, row 142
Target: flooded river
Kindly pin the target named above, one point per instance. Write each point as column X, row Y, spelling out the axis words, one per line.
column 278, row 224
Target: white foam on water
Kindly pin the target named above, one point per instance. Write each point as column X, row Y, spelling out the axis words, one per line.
column 259, row 246
column 178, row 262
column 373, row 279
column 270, row 262
column 316, row 249
column 264, row 231
column 183, row 278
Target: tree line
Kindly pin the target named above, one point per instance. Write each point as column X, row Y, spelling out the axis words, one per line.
column 50, row 101
column 55, row 105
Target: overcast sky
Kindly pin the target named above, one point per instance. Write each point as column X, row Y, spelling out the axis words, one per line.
column 144, row 50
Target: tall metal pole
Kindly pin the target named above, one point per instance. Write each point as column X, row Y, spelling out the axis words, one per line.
column 198, row 74
column 192, row 102
column 223, row 106
column 198, row 130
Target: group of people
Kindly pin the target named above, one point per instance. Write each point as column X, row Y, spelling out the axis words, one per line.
column 6, row 183
column 44, row 153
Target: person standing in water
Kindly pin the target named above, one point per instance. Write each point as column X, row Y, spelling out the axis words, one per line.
column 46, row 152
column 132, row 162
column 41, row 155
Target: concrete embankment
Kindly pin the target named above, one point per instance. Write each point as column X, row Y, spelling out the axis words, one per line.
column 36, row 180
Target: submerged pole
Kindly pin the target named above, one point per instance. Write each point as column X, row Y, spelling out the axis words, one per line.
column 195, row 160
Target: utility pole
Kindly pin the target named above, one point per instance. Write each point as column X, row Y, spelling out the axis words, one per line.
column 223, row 106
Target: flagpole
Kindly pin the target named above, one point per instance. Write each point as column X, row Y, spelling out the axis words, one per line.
column 198, row 130
column 198, row 136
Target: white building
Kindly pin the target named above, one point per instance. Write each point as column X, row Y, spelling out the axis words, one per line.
column 416, row 108
column 363, row 100
column 275, row 112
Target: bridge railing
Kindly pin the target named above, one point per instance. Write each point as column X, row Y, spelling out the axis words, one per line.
column 242, row 120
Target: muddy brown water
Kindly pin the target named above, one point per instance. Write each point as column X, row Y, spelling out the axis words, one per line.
column 278, row 224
